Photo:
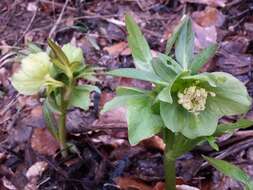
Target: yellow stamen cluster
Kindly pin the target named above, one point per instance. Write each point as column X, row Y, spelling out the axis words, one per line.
column 194, row 99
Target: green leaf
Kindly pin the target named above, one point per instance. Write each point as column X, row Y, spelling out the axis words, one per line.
column 138, row 45
column 120, row 101
column 165, row 95
column 232, row 171
column 162, row 69
column 231, row 95
column 122, row 90
column 230, row 127
column 89, row 88
column 185, row 44
column 125, row 94
column 50, row 120
column 80, row 96
column 211, row 79
column 173, row 38
column 142, row 122
column 52, row 105
column 201, row 59
column 177, row 119
column 138, row 74
column 212, row 142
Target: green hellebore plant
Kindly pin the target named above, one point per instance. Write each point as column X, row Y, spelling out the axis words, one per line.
column 56, row 74
column 183, row 104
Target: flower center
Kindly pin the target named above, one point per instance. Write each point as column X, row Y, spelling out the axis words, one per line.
column 194, row 99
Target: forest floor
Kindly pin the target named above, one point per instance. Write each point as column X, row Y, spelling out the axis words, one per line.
column 29, row 156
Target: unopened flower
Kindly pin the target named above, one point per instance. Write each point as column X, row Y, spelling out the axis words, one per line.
column 34, row 74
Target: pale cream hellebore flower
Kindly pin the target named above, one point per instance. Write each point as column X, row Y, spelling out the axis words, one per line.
column 34, row 74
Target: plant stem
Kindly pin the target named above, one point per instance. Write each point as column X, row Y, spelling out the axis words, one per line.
column 62, row 121
column 170, row 173
column 169, row 161
column 62, row 132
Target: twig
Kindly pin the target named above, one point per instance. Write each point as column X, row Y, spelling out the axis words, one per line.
column 51, row 33
column 28, row 27
column 232, row 150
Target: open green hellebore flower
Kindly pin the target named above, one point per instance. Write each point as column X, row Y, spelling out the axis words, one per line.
column 34, row 74
column 198, row 101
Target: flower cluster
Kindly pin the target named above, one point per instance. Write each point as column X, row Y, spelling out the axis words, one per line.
column 194, row 99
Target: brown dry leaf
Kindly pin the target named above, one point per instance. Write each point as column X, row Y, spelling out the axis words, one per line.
column 120, row 48
column 43, row 142
column 35, row 118
column 127, row 183
column 216, row 3
column 154, row 142
column 208, row 17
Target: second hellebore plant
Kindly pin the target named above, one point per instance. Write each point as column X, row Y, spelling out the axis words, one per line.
column 56, row 74
column 184, row 105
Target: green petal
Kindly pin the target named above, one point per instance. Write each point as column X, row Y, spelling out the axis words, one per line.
column 73, row 53
column 177, row 119
column 231, row 96
column 139, row 128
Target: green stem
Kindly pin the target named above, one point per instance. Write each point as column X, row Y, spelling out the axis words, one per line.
column 169, row 161
column 62, row 131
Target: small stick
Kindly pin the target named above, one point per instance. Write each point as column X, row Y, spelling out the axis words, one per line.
column 51, row 33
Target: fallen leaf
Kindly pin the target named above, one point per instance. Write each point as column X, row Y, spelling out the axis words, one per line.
column 36, row 169
column 34, row 173
column 7, row 184
column 127, row 183
column 204, row 36
column 216, row 3
column 154, row 142
column 43, row 142
column 117, row 49
column 208, row 17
